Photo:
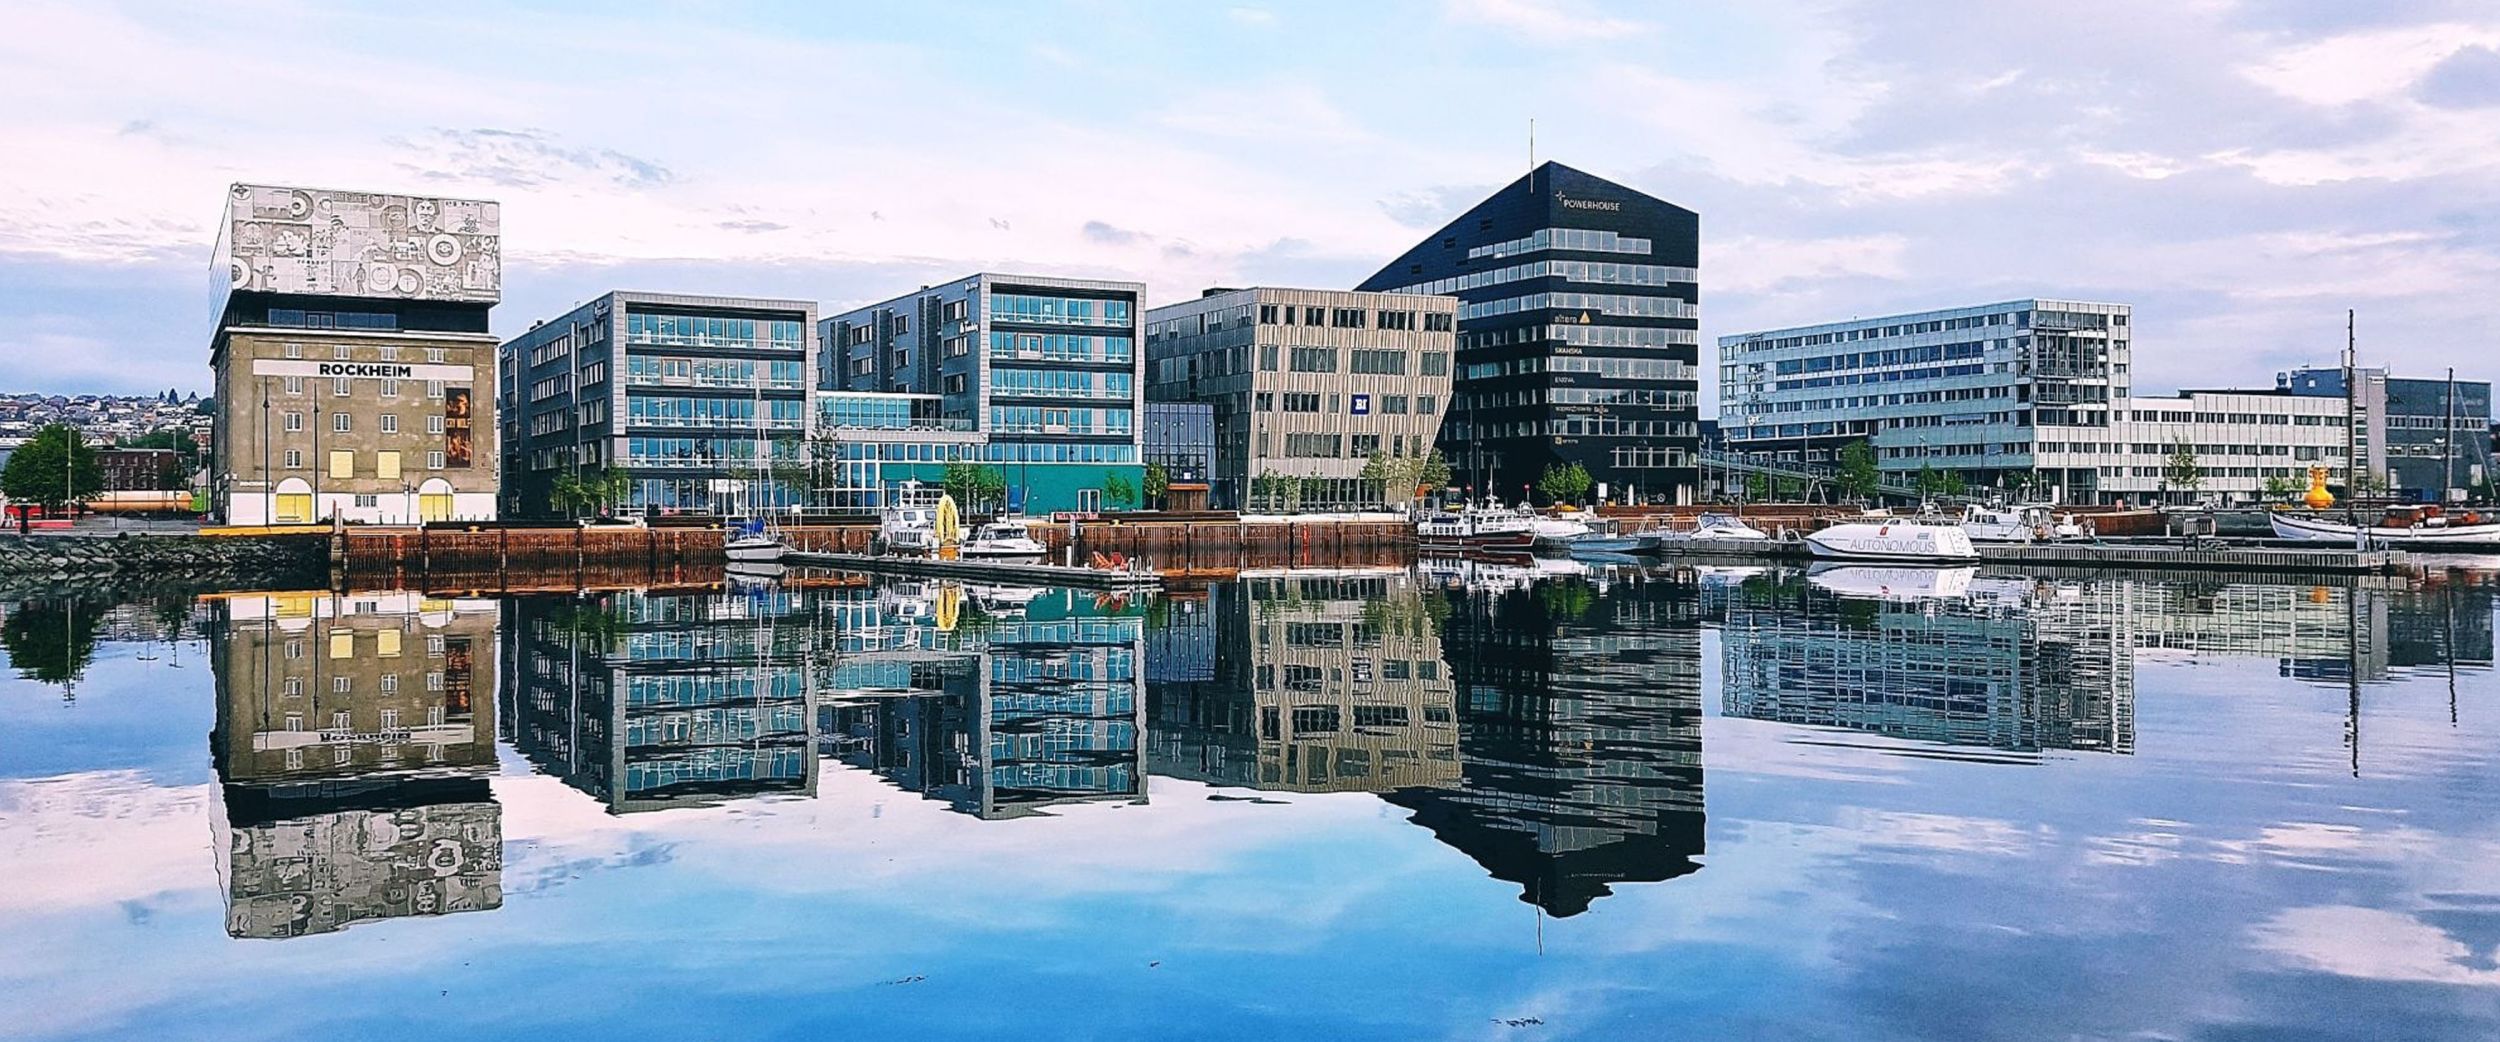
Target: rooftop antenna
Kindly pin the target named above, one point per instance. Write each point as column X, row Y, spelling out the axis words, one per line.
column 1532, row 153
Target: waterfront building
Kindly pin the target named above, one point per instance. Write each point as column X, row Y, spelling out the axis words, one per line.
column 1577, row 335
column 1969, row 390
column 1307, row 385
column 353, row 760
column 1322, row 683
column 2238, row 441
column 1180, row 439
column 1043, row 375
column 352, row 363
column 648, row 701
column 2417, row 438
column 700, row 401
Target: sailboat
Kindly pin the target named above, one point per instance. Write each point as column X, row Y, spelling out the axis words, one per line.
column 756, row 539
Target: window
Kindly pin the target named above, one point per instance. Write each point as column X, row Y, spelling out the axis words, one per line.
column 390, row 423
column 294, row 385
column 340, row 421
column 434, row 424
column 294, row 458
column 1267, row 314
column 390, row 388
column 1346, row 318
column 294, row 421
column 1437, row 322
column 434, row 461
column 1315, row 359
column 1267, row 358
column 385, row 466
column 1434, row 363
column 342, row 463
column 338, row 388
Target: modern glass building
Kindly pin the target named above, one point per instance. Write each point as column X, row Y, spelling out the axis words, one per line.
column 1577, row 335
column 2418, row 437
column 1970, row 390
column 696, row 399
column 1306, row 385
column 1045, row 373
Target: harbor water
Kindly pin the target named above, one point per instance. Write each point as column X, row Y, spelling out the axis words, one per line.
column 1465, row 799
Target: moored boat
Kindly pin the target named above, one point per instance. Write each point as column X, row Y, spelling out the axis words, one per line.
column 1893, row 541
column 1005, row 537
column 754, row 542
column 1481, row 528
column 2401, row 526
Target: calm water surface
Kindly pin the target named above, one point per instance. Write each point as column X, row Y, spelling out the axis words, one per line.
column 1459, row 801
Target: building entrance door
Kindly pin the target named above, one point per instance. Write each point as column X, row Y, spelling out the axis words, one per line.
column 294, row 508
column 434, row 501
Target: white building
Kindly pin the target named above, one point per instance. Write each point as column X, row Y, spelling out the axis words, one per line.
column 2238, row 438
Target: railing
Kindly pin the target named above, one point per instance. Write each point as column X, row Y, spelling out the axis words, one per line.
column 633, row 379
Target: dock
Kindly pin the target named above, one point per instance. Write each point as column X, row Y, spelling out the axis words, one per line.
column 2134, row 556
column 1022, row 573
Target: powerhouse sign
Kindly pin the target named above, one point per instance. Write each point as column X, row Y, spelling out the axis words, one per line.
column 332, row 370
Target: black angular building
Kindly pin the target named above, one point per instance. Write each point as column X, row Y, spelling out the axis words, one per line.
column 1577, row 335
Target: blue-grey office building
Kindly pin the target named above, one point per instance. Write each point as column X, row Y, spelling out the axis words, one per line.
column 1043, row 374
column 1578, row 335
column 1972, row 390
column 693, row 397
column 2417, row 437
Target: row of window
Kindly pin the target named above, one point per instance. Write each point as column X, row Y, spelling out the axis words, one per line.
column 1033, row 419
column 343, row 422
column 670, row 411
column 1604, row 368
column 1071, row 311
column 707, row 331
column 1571, row 271
column 342, row 464
column 1601, row 303
column 1061, row 383
column 1585, row 240
column 1062, row 347
column 1356, row 404
column 674, row 371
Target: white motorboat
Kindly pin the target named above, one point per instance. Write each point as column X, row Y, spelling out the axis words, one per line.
column 2402, row 526
column 1893, row 541
column 755, row 573
column 1005, row 537
column 1494, row 527
column 2019, row 523
column 1705, row 527
column 1558, row 530
column 753, row 543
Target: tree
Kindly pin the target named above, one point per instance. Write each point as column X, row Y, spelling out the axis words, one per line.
column 1158, row 483
column 590, row 491
column 1930, row 483
column 55, row 468
column 2280, row 488
column 1858, row 477
column 1118, row 492
column 1564, row 482
column 1276, row 491
column 2182, row 471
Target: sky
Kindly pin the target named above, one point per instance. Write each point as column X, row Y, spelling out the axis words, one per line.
column 2241, row 171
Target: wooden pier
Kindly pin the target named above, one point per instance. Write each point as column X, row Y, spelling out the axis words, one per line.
column 978, row 570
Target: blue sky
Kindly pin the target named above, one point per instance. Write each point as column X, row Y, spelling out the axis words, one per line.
column 2240, row 171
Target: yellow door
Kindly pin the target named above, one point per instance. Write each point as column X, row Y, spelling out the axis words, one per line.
column 434, row 506
column 294, row 508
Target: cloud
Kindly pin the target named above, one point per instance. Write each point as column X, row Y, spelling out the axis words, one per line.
column 1543, row 21
column 2470, row 78
column 522, row 159
column 1258, row 16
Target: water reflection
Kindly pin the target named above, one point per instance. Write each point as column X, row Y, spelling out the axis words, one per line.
column 352, row 759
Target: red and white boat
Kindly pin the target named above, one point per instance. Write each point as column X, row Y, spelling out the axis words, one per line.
column 2421, row 526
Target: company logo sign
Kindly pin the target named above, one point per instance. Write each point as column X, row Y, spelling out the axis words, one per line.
column 334, row 370
column 1608, row 205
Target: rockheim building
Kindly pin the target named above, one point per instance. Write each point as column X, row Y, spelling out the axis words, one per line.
column 352, row 362
column 1578, row 335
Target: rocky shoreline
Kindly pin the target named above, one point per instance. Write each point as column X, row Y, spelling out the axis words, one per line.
column 262, row 561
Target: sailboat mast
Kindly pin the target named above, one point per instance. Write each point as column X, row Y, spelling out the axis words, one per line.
column 2352, row 417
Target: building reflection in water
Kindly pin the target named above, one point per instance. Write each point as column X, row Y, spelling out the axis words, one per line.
column 998, row 701
column 1936, row 655
column 353, row 761
column 1549, row 730
column 653, row 700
